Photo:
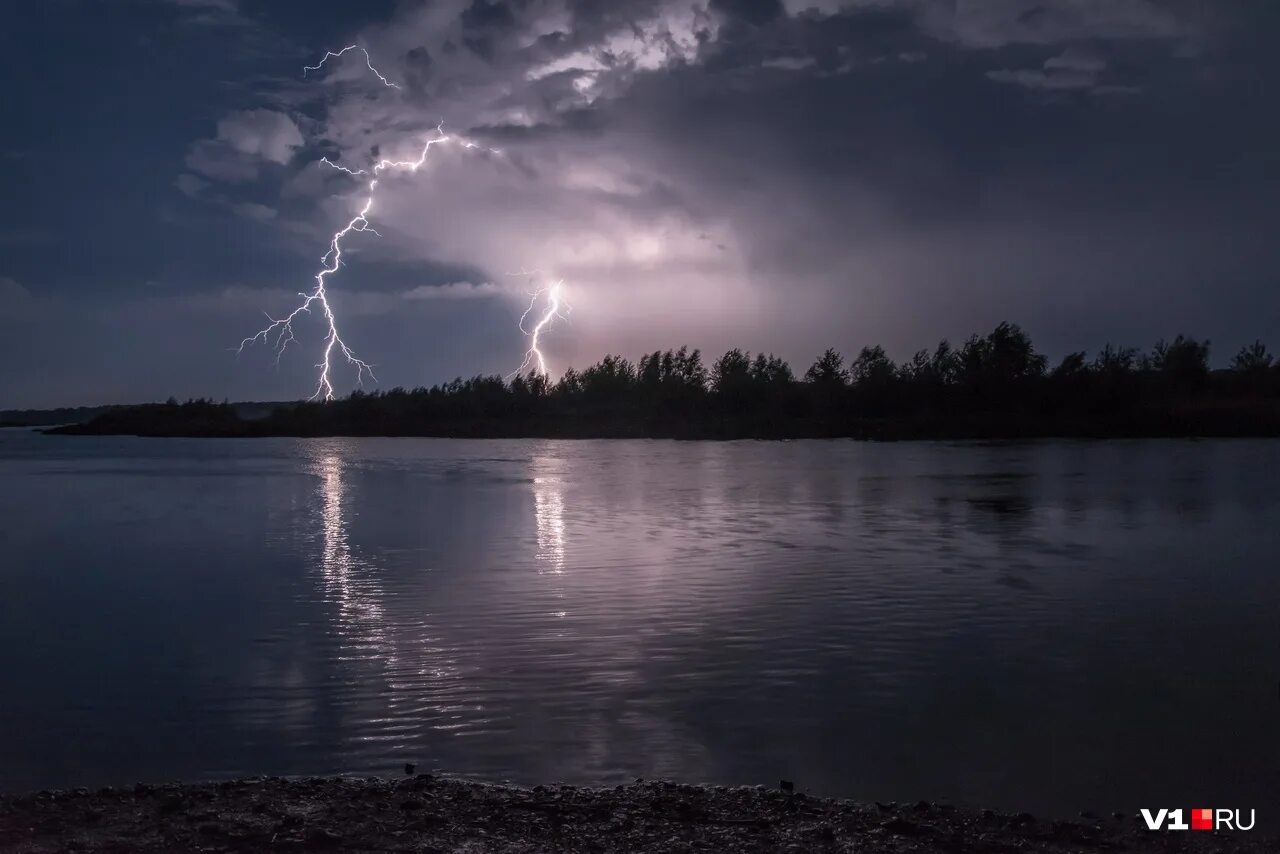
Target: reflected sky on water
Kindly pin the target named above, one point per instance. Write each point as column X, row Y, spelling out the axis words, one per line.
column 1051, row 626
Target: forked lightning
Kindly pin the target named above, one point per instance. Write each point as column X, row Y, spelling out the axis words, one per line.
column 555, row 302
column 280, row 332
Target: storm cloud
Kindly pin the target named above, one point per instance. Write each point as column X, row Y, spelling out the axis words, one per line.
column 778, row 176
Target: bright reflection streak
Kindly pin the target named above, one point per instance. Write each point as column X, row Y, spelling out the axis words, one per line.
column 412, row 661
column 548, row 510
column 361, row 618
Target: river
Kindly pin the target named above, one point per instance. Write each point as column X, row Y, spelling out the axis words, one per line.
column 1051, row 626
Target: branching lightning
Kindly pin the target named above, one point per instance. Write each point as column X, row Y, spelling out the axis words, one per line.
column 368, row 60
column 554, row 305
column 280, row 331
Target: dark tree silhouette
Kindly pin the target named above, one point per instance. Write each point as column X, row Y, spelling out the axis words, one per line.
column 1184, row 360
column 828, row 370
column 872, row 369
column 1072, row 366
column 1000, row 359
column 731, row 374
column 771, row 371
column 995, row 385
column 1253, row 360
column 1115, row 360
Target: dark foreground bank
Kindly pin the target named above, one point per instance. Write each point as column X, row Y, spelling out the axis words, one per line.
column 365, row 416
column 426, row 813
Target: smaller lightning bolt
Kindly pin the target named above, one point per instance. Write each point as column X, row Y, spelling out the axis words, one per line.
column 555, row 302
column 367, row 61
column 327, row 162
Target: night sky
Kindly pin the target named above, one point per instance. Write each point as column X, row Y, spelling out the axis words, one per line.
column 779, row 176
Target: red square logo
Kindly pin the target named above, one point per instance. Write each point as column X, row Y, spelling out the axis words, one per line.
column 1202, row 819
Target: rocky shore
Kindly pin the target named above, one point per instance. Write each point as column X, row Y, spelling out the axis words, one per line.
column 432, row 814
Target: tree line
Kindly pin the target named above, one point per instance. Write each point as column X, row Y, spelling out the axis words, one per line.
column 992, row 385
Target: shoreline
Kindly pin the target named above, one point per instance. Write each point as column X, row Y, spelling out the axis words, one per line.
column 866, row 433
column 208, row 421
column 431, row 813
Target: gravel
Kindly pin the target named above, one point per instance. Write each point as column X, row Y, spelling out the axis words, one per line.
column 425, row 813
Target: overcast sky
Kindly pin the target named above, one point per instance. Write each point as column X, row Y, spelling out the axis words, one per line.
column 780, row 176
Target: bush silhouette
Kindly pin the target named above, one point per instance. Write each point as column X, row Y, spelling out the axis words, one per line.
column 993, row 385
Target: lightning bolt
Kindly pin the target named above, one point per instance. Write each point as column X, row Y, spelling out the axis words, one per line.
column 367, row 61
column 280, row 331
column 555, row 302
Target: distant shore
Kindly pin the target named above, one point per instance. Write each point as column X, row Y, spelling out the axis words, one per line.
column 994, row 386
column 427, row 813
column 1248, row 420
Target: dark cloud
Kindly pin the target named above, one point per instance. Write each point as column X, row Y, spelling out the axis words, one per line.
column 487, row 16
column 755, row 12
column 483, row 22
column 760, row 174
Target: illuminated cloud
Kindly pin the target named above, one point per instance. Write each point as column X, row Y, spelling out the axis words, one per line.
column 1071, row 69
column 781, row 176
column 254, row 211
column 664, row 224
column 268, row 134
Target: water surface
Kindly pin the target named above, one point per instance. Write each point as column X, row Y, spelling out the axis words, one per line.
column 1051, row 626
